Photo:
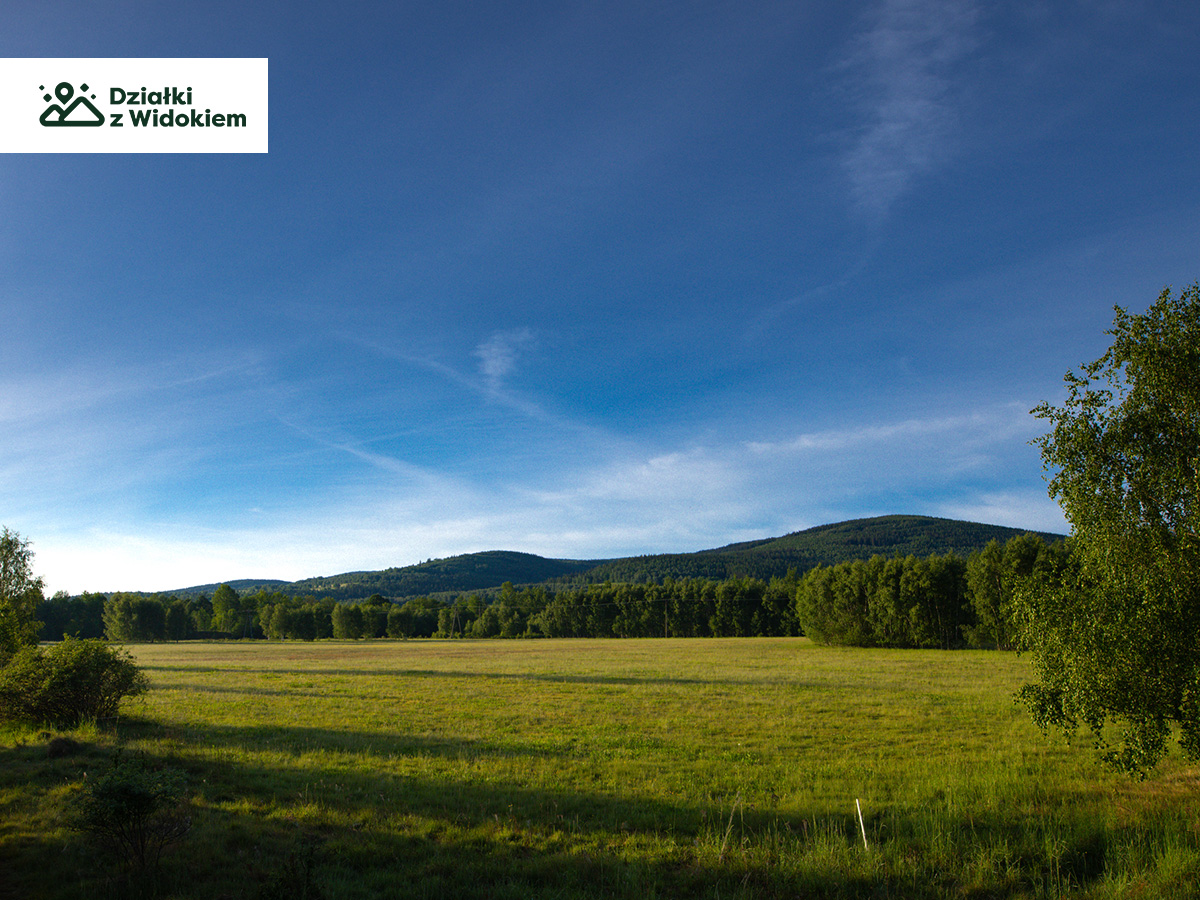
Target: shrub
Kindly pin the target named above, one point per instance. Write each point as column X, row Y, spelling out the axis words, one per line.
column 73, row 681
column 135, row 810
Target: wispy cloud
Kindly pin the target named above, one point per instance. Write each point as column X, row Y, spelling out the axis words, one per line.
column 499, row 353
column 996, row 424
column 618, row 501
column 1030, row 509
column 80, row 434
column 498, row 357
column 899, row 72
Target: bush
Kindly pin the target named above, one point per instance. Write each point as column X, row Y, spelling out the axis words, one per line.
column 135, row 810
column 72, row 682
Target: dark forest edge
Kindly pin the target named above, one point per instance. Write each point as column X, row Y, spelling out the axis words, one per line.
column 942, row 600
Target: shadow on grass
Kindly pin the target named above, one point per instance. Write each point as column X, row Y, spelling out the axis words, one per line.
column 552, row 678
column 39, row 855
column 296, row 740
column 375, row 829
column 381, row 832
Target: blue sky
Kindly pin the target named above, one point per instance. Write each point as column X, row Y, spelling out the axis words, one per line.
column 578, row 279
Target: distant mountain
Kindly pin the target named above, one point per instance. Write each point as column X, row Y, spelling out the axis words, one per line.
column 822, row 545
column 892, row 535
column 802, row 550
column 242, row 586
column 471, row 572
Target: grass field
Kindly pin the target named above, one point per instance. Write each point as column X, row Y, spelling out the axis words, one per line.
column 636, row 768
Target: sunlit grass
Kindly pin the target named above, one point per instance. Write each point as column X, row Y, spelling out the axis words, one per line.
column 634, row 768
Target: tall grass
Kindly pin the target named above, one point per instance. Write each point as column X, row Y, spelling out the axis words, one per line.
column 639, row 768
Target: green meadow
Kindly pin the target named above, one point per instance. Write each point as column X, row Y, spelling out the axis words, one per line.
column 715, row 768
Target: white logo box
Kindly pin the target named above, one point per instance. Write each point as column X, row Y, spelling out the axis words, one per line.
column 116, row 105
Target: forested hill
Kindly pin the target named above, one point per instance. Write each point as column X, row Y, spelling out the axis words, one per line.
column 919, row 536
column 471, row 572
column 241, row 585
column 827, row 545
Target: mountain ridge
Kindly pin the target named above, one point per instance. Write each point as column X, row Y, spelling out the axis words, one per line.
column 828, row 544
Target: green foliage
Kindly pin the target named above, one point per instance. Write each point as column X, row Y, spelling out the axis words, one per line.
column 400, row 623
column 691, row 607
column 71, row 682
column 200, row 611
column 81, row 616
column 1114, row 636
column 20, row 594
column 118, row 618
column 302, row 623
column 135, row 810
column 177, row 623
column 347, row 622
column 885, row 602
column 227, row 610
column 374, row 619
column 134, row 618
column 994, row 575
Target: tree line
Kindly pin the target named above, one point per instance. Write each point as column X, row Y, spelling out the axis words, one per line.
column 944, row 601
column 941, row 601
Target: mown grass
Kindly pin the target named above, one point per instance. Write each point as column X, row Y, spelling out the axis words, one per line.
column 638, row 768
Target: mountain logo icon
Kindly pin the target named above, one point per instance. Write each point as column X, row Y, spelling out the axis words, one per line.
column 78, row 112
